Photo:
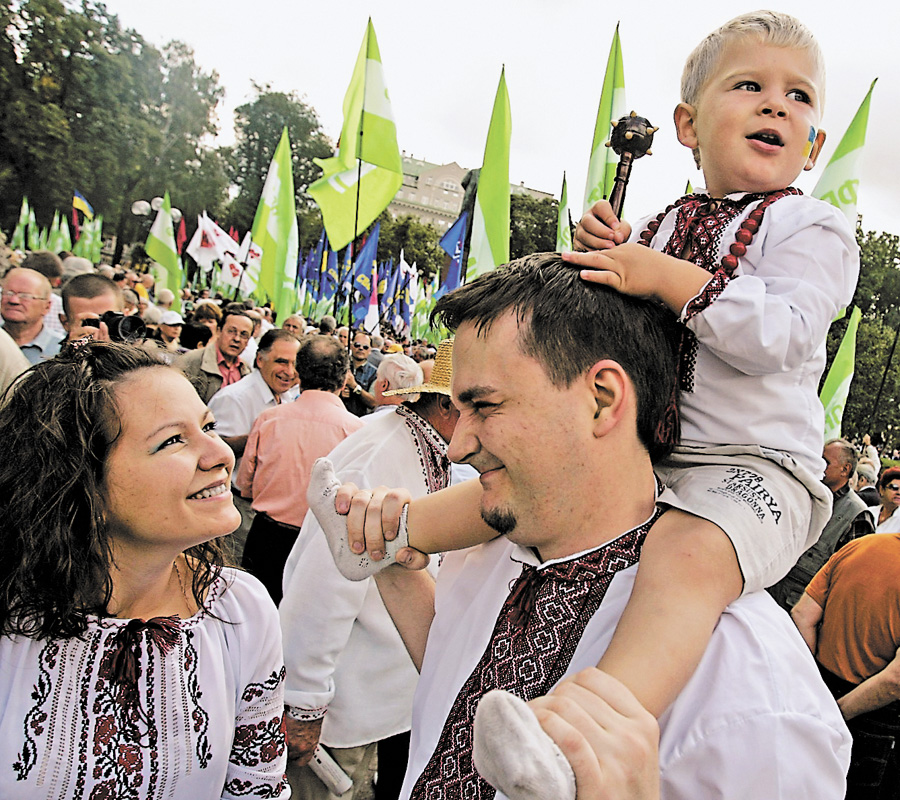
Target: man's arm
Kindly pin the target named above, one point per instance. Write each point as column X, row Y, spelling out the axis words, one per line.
column 409, row 599
column 807, row 615
column 874, row 692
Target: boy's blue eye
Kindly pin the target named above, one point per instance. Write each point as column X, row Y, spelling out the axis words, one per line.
column 748, row 86
column 799, row 95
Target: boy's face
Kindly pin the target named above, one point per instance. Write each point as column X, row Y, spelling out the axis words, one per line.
column 756, row 119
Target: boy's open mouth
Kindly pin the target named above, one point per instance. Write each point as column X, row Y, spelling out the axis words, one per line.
column 767, row 137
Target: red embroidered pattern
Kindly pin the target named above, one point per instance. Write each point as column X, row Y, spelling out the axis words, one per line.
column 533, row 641
column 432, row 451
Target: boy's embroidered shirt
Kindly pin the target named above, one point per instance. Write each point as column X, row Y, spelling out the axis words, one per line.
column 761, row 334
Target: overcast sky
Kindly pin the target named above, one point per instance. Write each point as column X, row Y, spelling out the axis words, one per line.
column 442, row 62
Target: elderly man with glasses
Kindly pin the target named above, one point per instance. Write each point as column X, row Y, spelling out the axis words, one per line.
column 25, row 300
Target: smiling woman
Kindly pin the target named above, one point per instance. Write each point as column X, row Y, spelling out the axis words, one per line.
column 118, row 620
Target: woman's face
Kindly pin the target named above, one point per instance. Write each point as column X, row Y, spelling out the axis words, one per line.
column 890, row 494
column 168, row 476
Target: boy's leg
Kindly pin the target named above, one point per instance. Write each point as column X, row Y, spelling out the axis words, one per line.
column 688, row 574
column 367, row 539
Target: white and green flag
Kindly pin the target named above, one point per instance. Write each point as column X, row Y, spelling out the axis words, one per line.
column 161, row 248
column 19, row 234
column 602, row 166
column 839, row 182
column 489, row 244
column 366, row 171
column 837, row 382
column 563, row 228
column 275, row 232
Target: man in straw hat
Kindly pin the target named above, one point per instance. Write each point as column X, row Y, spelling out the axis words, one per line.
column 339, row 646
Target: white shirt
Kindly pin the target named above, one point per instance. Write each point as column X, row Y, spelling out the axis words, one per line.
column 237, row 406
column 755, row 720
column 891, row 524
column 762, row 341
column 216, row 700
column 342, row 651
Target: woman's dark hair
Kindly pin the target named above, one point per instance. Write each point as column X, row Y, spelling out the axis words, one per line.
column 891, row 473
column 59, row 423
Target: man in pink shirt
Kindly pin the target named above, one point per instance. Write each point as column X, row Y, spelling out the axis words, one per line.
column 282, row 447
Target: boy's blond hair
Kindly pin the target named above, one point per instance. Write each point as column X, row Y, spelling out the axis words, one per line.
column 772, row 27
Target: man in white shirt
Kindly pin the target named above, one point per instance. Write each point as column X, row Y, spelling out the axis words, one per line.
column 336, row 648
column 237, row 406
column 559, row 385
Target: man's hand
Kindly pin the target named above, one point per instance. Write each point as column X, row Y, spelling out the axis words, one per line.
column 609, row 739
column 77, row 328
column 349, row 385
column 302, row 738
column 373, row 518
column 600, row 229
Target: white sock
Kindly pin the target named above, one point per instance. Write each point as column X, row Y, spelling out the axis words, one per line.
column 323, row 486
column 513, row 754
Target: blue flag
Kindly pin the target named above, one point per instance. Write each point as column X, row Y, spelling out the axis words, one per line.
column 452, row 242
column 330, row 278
column 390, row 289
column 362, row 277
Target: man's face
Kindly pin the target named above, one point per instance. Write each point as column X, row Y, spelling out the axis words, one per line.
column 293, row 325
column 24, row 310
column 343, row 336
column 361, row 347
column 755, row 120
column 837, row 473
column 522, row 433
column 235, row 334
column 170, row 332
column 82, row 308
column 278, row 367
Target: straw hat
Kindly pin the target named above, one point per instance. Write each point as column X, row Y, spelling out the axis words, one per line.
column 440, row 374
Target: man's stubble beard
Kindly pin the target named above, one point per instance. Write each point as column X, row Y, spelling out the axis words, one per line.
column 504, row 522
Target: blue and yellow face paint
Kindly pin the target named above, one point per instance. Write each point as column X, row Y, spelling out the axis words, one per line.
column 807, row 148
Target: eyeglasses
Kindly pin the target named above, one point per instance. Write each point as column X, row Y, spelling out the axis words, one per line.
column 361, row 346
column 893, row 487
column 235, row 332
column 26, row 297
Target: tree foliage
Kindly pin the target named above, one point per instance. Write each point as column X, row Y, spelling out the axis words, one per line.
column 878, row 297
column 258, row 127
column 89, row 105
column 418, row 241
column 532, row 225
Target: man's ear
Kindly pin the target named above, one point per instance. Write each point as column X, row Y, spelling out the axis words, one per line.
column 63, row 319
column 684, row 125
column 609, row 387
column 816, row 149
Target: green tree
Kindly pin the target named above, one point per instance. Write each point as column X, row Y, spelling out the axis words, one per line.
column 90, row 105
column 532, row 224
column 420, row 244
column 258, row 126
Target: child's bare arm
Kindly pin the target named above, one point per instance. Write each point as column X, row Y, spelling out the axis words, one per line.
column 641, row 272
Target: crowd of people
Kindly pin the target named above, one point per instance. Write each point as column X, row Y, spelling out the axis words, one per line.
column 209, row 590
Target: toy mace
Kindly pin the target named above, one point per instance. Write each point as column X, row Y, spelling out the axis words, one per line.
column 631, row 138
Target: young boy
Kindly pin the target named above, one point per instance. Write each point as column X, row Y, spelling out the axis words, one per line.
column 756, row 272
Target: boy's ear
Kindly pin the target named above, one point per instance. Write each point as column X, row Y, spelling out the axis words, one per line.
column 816, row 149
column 684, row 125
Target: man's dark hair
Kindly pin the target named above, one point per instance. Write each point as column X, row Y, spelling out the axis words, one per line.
column 193, row 333
column 568, row 325
column 45, row 262
column 268, row 339
column 89, row 286
column 322, row 363
column 327, row 324
column 233, row 312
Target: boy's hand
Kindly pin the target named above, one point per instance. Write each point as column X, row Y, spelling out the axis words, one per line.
column 600, row 229
column 642, row 272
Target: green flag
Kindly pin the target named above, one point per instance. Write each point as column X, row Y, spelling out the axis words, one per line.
column 54, row 238
column 161, row 248
column 275, row 232
column 97, row 246
column 837, row 382
column 563, row 228
column 602, row 166
column 489, row 245
column 839, row 182
column 366, row 172
column 65, row 236
column 19, row 234
column 34, row 232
